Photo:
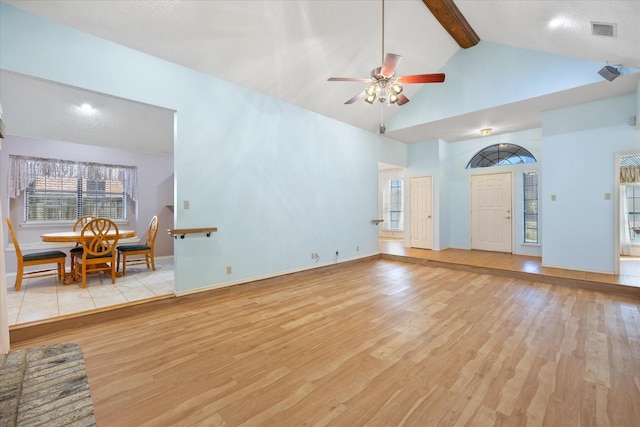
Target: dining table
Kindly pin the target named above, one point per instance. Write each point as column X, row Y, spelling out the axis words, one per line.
column 72, row 236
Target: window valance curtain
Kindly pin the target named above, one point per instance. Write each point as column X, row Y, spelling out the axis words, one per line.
column 629, row 174
column 23, row 170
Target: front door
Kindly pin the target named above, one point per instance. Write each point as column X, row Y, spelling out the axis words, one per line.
column 491, row 212
column 421, row 193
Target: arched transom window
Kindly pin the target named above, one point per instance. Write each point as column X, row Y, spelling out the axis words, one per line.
column 501, row 155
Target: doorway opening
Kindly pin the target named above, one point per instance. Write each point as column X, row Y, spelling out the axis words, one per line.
column 391, row 198
column 628, row 217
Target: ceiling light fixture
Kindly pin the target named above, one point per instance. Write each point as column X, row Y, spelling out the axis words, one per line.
column 486, row 131
column 557, row 22
column 86, row 108
column 384, row 89
column 610, row 72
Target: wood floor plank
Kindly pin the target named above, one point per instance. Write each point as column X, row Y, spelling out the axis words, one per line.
column 376, row 343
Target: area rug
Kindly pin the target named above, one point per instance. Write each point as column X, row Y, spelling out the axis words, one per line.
column 45, row 385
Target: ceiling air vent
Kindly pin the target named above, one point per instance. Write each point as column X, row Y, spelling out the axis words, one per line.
column 603, row 29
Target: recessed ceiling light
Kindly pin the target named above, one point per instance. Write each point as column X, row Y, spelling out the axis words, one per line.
column 557, row 22
column 86, row 108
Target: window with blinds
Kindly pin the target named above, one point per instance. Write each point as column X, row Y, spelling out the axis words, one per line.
column 59, row 199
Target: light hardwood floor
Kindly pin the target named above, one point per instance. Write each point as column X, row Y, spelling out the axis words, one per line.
column 378, row 343
column 522, row 266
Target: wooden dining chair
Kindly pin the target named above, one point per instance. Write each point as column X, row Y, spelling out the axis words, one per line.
column 98, row 249
column 146, row 250
column 77, row 250
column 39, row 258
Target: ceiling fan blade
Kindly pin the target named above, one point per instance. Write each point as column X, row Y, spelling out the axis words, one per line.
column 402, row 99
column 347, row 79
column 355, row 98
column 391, row 60
column 421, row 78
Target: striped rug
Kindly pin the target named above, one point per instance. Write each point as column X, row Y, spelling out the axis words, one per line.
column 45, row 385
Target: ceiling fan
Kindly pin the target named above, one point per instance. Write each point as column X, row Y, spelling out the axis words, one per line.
column 383, row 83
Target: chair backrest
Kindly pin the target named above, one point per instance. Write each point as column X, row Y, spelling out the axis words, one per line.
column 16, row 246
column 99, row 236
column 153, row 230
column 81, row 222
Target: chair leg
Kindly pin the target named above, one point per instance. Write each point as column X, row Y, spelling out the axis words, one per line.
column 118, row 263
column 124, row 264
column 18, row 283
column 153, row 262
column 113, row 274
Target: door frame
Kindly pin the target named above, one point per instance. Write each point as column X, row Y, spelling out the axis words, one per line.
column 512, row 178
column 616, row 208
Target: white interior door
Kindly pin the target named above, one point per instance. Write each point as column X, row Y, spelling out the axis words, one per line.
column 421, row 193
column 491, row 212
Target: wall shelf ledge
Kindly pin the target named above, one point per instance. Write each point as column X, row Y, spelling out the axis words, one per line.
column 182, row 232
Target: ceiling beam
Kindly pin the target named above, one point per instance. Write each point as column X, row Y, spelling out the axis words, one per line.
column 452, row 20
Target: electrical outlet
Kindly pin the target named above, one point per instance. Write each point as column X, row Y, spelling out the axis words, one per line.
column 229, row 269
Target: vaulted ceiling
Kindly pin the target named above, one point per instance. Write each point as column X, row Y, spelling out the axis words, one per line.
column 288, row 49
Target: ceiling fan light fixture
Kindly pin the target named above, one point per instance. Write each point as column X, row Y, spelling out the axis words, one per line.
column 396, row 88
column 370, row 98
column 372, row 89
column 393, row 98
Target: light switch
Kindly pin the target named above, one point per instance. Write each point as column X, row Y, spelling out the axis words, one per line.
column 185, row 204
column 553, row 198
column 607, row 196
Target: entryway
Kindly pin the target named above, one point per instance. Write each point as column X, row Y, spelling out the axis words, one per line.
column 491, row 212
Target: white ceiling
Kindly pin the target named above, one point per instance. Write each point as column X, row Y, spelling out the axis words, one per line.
column 42, row 109
column 288, row 49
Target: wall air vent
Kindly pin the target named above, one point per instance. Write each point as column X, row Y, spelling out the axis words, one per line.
column 603, row 29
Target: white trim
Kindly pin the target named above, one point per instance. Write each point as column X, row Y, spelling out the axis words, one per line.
column 616, row 209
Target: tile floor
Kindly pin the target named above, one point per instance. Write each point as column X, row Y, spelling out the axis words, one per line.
column 45, row 298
